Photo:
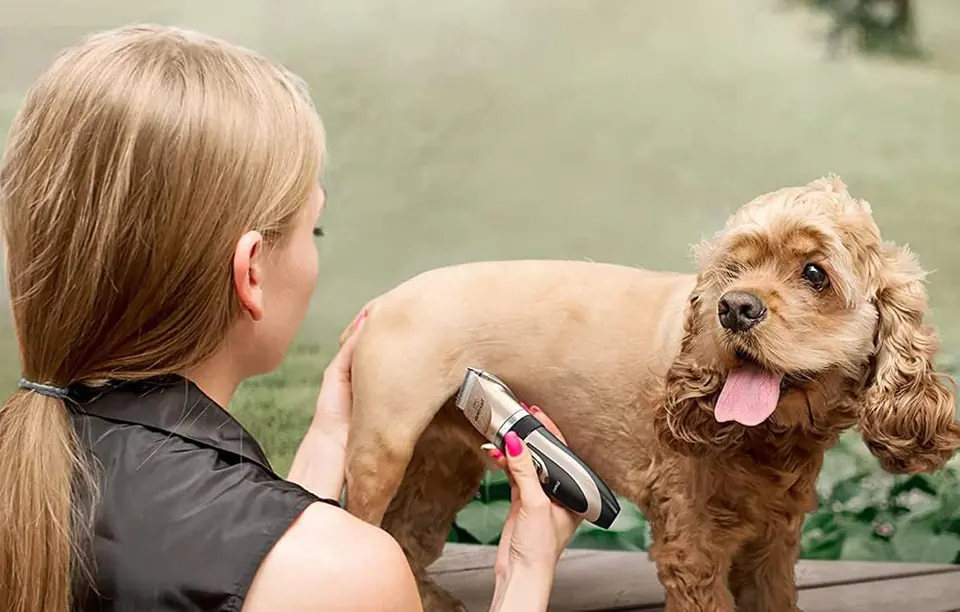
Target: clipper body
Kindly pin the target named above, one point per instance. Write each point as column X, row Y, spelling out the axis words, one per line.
column 493, row 409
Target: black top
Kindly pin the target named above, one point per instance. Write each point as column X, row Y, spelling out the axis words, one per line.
column 189, row 506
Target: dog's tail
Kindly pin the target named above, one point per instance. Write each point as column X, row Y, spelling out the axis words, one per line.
column 349, row 329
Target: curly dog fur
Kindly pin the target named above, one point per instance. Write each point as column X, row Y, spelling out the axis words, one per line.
column 630, row 363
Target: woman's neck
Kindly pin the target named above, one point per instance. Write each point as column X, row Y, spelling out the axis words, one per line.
column 217, row 378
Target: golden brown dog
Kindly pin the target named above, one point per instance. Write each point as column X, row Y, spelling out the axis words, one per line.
column 707, row 399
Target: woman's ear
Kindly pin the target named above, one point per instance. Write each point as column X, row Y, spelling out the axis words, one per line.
column 247, row 274
column 908, row 420
column 684, row 419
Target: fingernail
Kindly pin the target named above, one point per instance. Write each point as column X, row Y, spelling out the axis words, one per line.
column 534, row 410
column 514, row 446
column 491, row 450
column 360, row 321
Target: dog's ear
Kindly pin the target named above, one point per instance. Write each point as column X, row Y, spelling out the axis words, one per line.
column 683, row 420
column 908, row 420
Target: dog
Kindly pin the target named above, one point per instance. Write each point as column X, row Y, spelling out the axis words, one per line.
column 708, row 399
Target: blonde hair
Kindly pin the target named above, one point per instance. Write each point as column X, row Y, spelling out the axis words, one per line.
column 134, row 164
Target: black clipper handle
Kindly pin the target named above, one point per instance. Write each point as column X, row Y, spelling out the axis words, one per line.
column 564, row 477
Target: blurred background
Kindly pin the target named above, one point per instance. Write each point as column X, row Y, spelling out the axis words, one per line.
column 614, row 130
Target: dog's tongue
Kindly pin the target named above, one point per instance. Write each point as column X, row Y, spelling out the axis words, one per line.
column 749, row 396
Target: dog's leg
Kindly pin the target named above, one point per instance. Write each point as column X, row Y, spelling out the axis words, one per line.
column 693, row 548
column 443, row 475
column 762, row 578
column 391, row 408
column 375, row 468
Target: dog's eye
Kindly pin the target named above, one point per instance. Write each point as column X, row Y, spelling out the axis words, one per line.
column 814, row 274
column 318, row 231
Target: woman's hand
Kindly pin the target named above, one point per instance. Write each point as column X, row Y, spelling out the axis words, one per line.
column 536, row 531
column 319, row 463
column 331, row 416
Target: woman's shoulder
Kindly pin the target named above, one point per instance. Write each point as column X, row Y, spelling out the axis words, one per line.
column 329, row 559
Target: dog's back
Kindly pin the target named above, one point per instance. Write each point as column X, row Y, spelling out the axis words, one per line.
column 517, row 315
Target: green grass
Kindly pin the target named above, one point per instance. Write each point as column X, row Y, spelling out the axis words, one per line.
column 616, row 131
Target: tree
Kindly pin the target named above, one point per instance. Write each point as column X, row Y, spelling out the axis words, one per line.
column 875, row 26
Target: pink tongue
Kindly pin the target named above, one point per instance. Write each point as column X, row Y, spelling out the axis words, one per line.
column 748, row 397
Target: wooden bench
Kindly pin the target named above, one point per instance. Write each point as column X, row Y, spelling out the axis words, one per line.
column 626, row 581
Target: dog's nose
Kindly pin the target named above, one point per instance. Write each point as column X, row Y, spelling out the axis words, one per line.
column 740, row 310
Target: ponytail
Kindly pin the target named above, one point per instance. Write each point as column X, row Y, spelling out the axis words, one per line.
column 43, row 486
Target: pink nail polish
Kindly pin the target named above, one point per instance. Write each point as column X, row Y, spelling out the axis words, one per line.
column 514, row 446
column 496, row 455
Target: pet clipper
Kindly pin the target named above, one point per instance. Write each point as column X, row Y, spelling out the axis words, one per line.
column 495, row 411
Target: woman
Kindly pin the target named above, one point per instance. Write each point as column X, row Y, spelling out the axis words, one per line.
column 159, row 197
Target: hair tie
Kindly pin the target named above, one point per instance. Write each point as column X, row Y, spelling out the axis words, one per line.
column 48, row 390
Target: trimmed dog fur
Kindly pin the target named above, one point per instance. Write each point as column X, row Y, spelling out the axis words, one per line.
column 707, row 399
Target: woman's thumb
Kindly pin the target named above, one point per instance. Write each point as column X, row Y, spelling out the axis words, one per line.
column 520, row 464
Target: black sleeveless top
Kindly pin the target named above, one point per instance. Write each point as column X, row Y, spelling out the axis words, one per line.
column 189, row 506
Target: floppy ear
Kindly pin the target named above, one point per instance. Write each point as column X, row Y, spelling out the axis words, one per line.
column 684, row 419
column 909, row 415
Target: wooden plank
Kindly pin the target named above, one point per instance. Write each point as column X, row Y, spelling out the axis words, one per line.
column 935, row 592
column 460, row 557
column 619, row 580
